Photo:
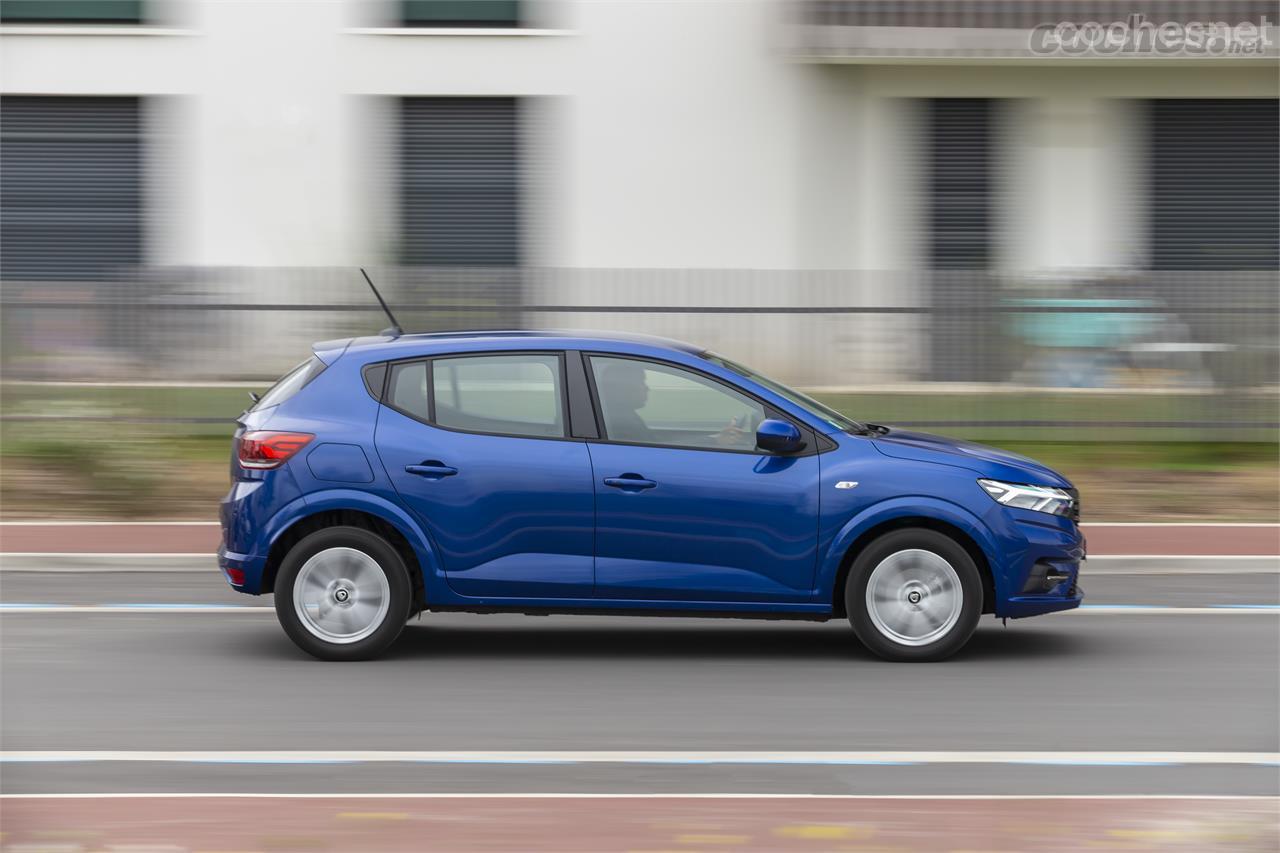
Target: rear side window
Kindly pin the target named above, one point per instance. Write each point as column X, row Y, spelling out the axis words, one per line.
column 519, row 394
column 505, row 394
column 408, row 389
column 291, row 383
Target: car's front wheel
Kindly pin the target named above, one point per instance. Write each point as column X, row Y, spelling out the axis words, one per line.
column 342, row 594
column 914, row 595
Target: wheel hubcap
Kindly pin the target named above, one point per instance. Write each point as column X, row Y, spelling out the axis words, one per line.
column 341, row 595
column 914, row 597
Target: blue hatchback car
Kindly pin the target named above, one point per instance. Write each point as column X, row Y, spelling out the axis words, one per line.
column 546, row 472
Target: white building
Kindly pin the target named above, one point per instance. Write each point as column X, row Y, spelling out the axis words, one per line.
column 668, row 153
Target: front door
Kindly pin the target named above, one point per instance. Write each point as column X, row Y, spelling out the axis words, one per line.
column 476, row 447
column 686, row 508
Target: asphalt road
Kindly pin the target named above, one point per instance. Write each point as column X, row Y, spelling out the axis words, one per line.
column 1181, row 589
column 1166, row 684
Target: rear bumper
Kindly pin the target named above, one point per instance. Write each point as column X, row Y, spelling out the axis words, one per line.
column 254, row 500
column 245, row 568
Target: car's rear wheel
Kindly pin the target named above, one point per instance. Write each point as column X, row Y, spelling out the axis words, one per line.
column 914, row 595
column 343, row 594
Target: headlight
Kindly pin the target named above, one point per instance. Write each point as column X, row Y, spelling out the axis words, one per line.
column 1035, row 498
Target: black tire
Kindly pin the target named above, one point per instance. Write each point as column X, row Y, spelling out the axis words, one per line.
column 955, row 628
column 383, row 628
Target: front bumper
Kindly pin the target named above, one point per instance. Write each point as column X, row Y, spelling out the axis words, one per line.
column 1043, row 572
column 1033, row 605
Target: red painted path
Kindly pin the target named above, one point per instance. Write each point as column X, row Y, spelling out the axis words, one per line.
column 569, row 824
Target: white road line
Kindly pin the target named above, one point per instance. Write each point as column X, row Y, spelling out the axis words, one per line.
column 179, row 523
column 141, row 383
column 1099, row 565
column 114, row 555
column 1227, row 557
column 1086, row 525
column 636, row 757
column 12, row 608
column 99, row 523
column 187, row 570
column 1162, row 610
column 210, row 554
column 141, row 608
column 528, row 795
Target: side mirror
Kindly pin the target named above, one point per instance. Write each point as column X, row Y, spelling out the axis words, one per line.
column 778, row 437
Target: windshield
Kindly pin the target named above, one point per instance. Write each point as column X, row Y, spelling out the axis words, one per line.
column 826, row 414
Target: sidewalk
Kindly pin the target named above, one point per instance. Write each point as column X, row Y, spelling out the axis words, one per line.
column 1185, row 540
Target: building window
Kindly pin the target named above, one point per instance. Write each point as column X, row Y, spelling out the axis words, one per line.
column 461, row 13
column 71, row 11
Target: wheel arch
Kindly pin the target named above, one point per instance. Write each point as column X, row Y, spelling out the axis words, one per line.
column 902, row 522
column 364, row 517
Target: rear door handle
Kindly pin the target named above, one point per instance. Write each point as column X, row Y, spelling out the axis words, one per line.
column 432, row 469
column 629, row 482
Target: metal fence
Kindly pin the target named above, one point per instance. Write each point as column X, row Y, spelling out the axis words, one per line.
column 1176, row 355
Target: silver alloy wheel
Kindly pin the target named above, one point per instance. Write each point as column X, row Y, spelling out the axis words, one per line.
column 341, row 595
column 914, row 597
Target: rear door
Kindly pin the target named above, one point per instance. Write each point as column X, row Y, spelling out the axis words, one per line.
column 477, row 446
column 687, row 508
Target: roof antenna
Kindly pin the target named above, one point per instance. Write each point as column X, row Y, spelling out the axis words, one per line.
column 394, row 330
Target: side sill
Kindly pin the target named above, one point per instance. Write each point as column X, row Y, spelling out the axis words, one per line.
column 775, row 616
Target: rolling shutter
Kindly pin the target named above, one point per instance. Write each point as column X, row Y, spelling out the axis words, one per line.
column 959, row 174
column 71, row 169
column 71, row 11
column 462, row 13
column 460, row 182
column 1215, row 184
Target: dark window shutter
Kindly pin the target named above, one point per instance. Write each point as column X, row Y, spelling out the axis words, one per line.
column 71, row 171
column 71, row 11
column 460, row 182
column 959, row 174
column 1215, row 184
column 461, row 13
column 958, row 169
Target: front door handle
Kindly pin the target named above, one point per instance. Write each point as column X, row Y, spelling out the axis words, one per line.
column 432, row 469
column 629, row 482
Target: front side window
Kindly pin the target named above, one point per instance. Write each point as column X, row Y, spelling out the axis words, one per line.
column 502, row 394
column 645, row 402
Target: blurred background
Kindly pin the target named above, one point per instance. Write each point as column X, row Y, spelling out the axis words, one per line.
column 902, row 207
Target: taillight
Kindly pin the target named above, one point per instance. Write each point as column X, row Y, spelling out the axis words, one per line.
column 266, row 449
